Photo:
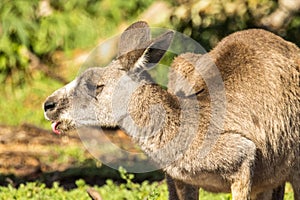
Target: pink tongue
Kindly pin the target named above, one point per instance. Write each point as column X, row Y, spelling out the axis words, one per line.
column 54, row 126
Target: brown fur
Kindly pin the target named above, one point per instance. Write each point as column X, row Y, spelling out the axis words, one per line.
column 255, row 150
column 255, row 63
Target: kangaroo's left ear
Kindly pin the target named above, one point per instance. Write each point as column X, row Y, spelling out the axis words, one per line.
column 146, row 54
column 154, row 51
column 135, row 37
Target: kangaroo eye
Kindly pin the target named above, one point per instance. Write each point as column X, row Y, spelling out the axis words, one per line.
column 99, row 88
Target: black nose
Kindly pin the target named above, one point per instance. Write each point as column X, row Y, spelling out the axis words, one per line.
column 49, row 105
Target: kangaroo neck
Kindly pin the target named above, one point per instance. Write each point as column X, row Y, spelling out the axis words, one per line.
column 163, row 126
column 150, row 113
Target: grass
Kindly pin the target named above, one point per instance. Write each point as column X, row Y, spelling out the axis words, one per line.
column 110, row 191
column 24, row 104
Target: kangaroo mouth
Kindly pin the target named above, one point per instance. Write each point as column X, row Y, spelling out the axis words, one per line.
column 55, row 128
column 59, row 127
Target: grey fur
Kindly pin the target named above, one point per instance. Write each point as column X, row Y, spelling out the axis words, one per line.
column 257, row 146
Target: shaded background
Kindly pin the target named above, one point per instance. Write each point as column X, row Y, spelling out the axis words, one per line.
column 43, row 44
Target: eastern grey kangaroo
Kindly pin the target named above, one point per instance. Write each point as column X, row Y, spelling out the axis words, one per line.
column 256, row 148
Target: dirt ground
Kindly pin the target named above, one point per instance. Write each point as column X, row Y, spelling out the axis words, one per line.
column 21, row 149
column 24, row 149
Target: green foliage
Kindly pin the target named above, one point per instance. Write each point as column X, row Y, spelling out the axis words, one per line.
column 41, row 27
column 26, row 29
column 209, row 21
column 120, row 10
column 69, row 154
column 37, row 191
column 127, row 190
column 24, row 104
column 131, row 190
column 109, row 191
column 15, row 29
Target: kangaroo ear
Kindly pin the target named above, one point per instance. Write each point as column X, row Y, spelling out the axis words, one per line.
column 155, row 51
column 134, row 37
column 147, row 54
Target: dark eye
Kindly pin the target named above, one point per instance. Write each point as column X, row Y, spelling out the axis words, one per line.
column 99, row 88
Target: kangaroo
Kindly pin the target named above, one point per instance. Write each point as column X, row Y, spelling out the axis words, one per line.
column 251, row 150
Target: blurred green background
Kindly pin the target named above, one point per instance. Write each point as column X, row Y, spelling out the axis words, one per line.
column 43, row 43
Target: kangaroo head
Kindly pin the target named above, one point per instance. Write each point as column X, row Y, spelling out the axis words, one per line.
column 98, row 96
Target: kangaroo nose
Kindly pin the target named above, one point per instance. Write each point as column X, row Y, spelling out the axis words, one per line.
column 49, row 105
